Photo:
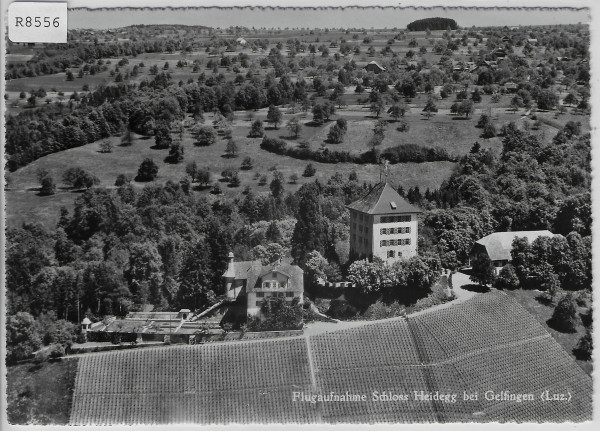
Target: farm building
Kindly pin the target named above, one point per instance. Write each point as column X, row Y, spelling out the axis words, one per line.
column 374, row 67
column 241, row 41
column 383, row 224
column 258, row 282
column 498, row 245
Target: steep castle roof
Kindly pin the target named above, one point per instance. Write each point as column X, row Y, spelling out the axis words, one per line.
column 383, row 199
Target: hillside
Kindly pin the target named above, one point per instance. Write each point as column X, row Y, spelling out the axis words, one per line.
column 473, row 347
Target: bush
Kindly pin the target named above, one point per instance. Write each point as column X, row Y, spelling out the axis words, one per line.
column 309, row 171
column 507, row 279
column 585, row 346
column 147, row 171
column 564, row 318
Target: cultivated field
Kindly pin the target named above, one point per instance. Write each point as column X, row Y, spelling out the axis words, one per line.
column 476, row 346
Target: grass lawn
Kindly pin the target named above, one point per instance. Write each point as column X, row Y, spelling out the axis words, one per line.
column 40, row 394
column 24, row 203
column 542, row 312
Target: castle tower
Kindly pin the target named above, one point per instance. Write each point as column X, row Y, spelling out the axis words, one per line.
column 383, row 224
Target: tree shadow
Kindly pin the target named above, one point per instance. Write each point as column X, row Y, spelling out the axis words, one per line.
column 544, row 300
column 200, row 188
column 561, row 326
column 271, row 128
column 313, row 123
column 475, row 288
column 581, row 355
column 289, row 138
column 461, row 118
column 228, row 156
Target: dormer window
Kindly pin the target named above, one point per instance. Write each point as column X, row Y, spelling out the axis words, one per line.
column 393, row 205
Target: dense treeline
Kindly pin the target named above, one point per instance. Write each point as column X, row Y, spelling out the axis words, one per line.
column 432, row 24
column 401, row 153
column 531, row 186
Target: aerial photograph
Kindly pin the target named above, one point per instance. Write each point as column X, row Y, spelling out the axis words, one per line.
column 354, row 215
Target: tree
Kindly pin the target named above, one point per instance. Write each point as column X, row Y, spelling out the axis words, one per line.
column 126, row 139
column 47, row 186
column 309, row 171
column 482, row 270
column 106, row 146
column 466, row 108
column 122, row 180
column 516, row 102
column 370, row 277
column 78, row 178
column 377, row 103
column 162, row 136
column 231, row 149
column 274, row 116
column 256, row 130
column 585, row 346
column 564, row 317
column 247, row 163
column 547, row 99
column 22, row 338
column 191, row 169
column 294, row 127
column 204, row 135
column 147, row 171
column 507, row 279
column 277, row 185
column 397, row 110
column 335, row 134
column 429, row 107
column 489, row 131
column 294, row 178
column 175, row 153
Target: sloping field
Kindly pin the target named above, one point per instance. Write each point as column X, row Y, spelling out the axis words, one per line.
column 245, row 382
column 488, row 347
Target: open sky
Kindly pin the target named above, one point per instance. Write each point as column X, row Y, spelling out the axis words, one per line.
column 321, row 18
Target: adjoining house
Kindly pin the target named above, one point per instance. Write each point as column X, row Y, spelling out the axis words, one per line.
column 383, row 224
column 258, row 282
column 498, row 245
column 374, row 67
column 511, row 87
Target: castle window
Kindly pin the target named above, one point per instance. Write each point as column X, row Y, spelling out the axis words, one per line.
column 260, row 294
column 390, row 253
column 289, row 294
column 383, row 243
column 383, row 231
column 407, row 230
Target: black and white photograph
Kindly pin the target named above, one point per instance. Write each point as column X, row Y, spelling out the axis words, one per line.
column 298, row 214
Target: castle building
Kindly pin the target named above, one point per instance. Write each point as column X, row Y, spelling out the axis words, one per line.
column 259, row 282
column 383, row 224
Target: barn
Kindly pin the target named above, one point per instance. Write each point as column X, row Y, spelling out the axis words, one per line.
column 498, row 245
column 374, row 67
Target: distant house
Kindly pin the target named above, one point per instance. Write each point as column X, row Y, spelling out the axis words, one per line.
column 505, row 39
column 532, row 41
column 374, row 67
column 257, row 282
column 498, row 245
column 241, row 41
column 500, row 53
column 511, row 87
